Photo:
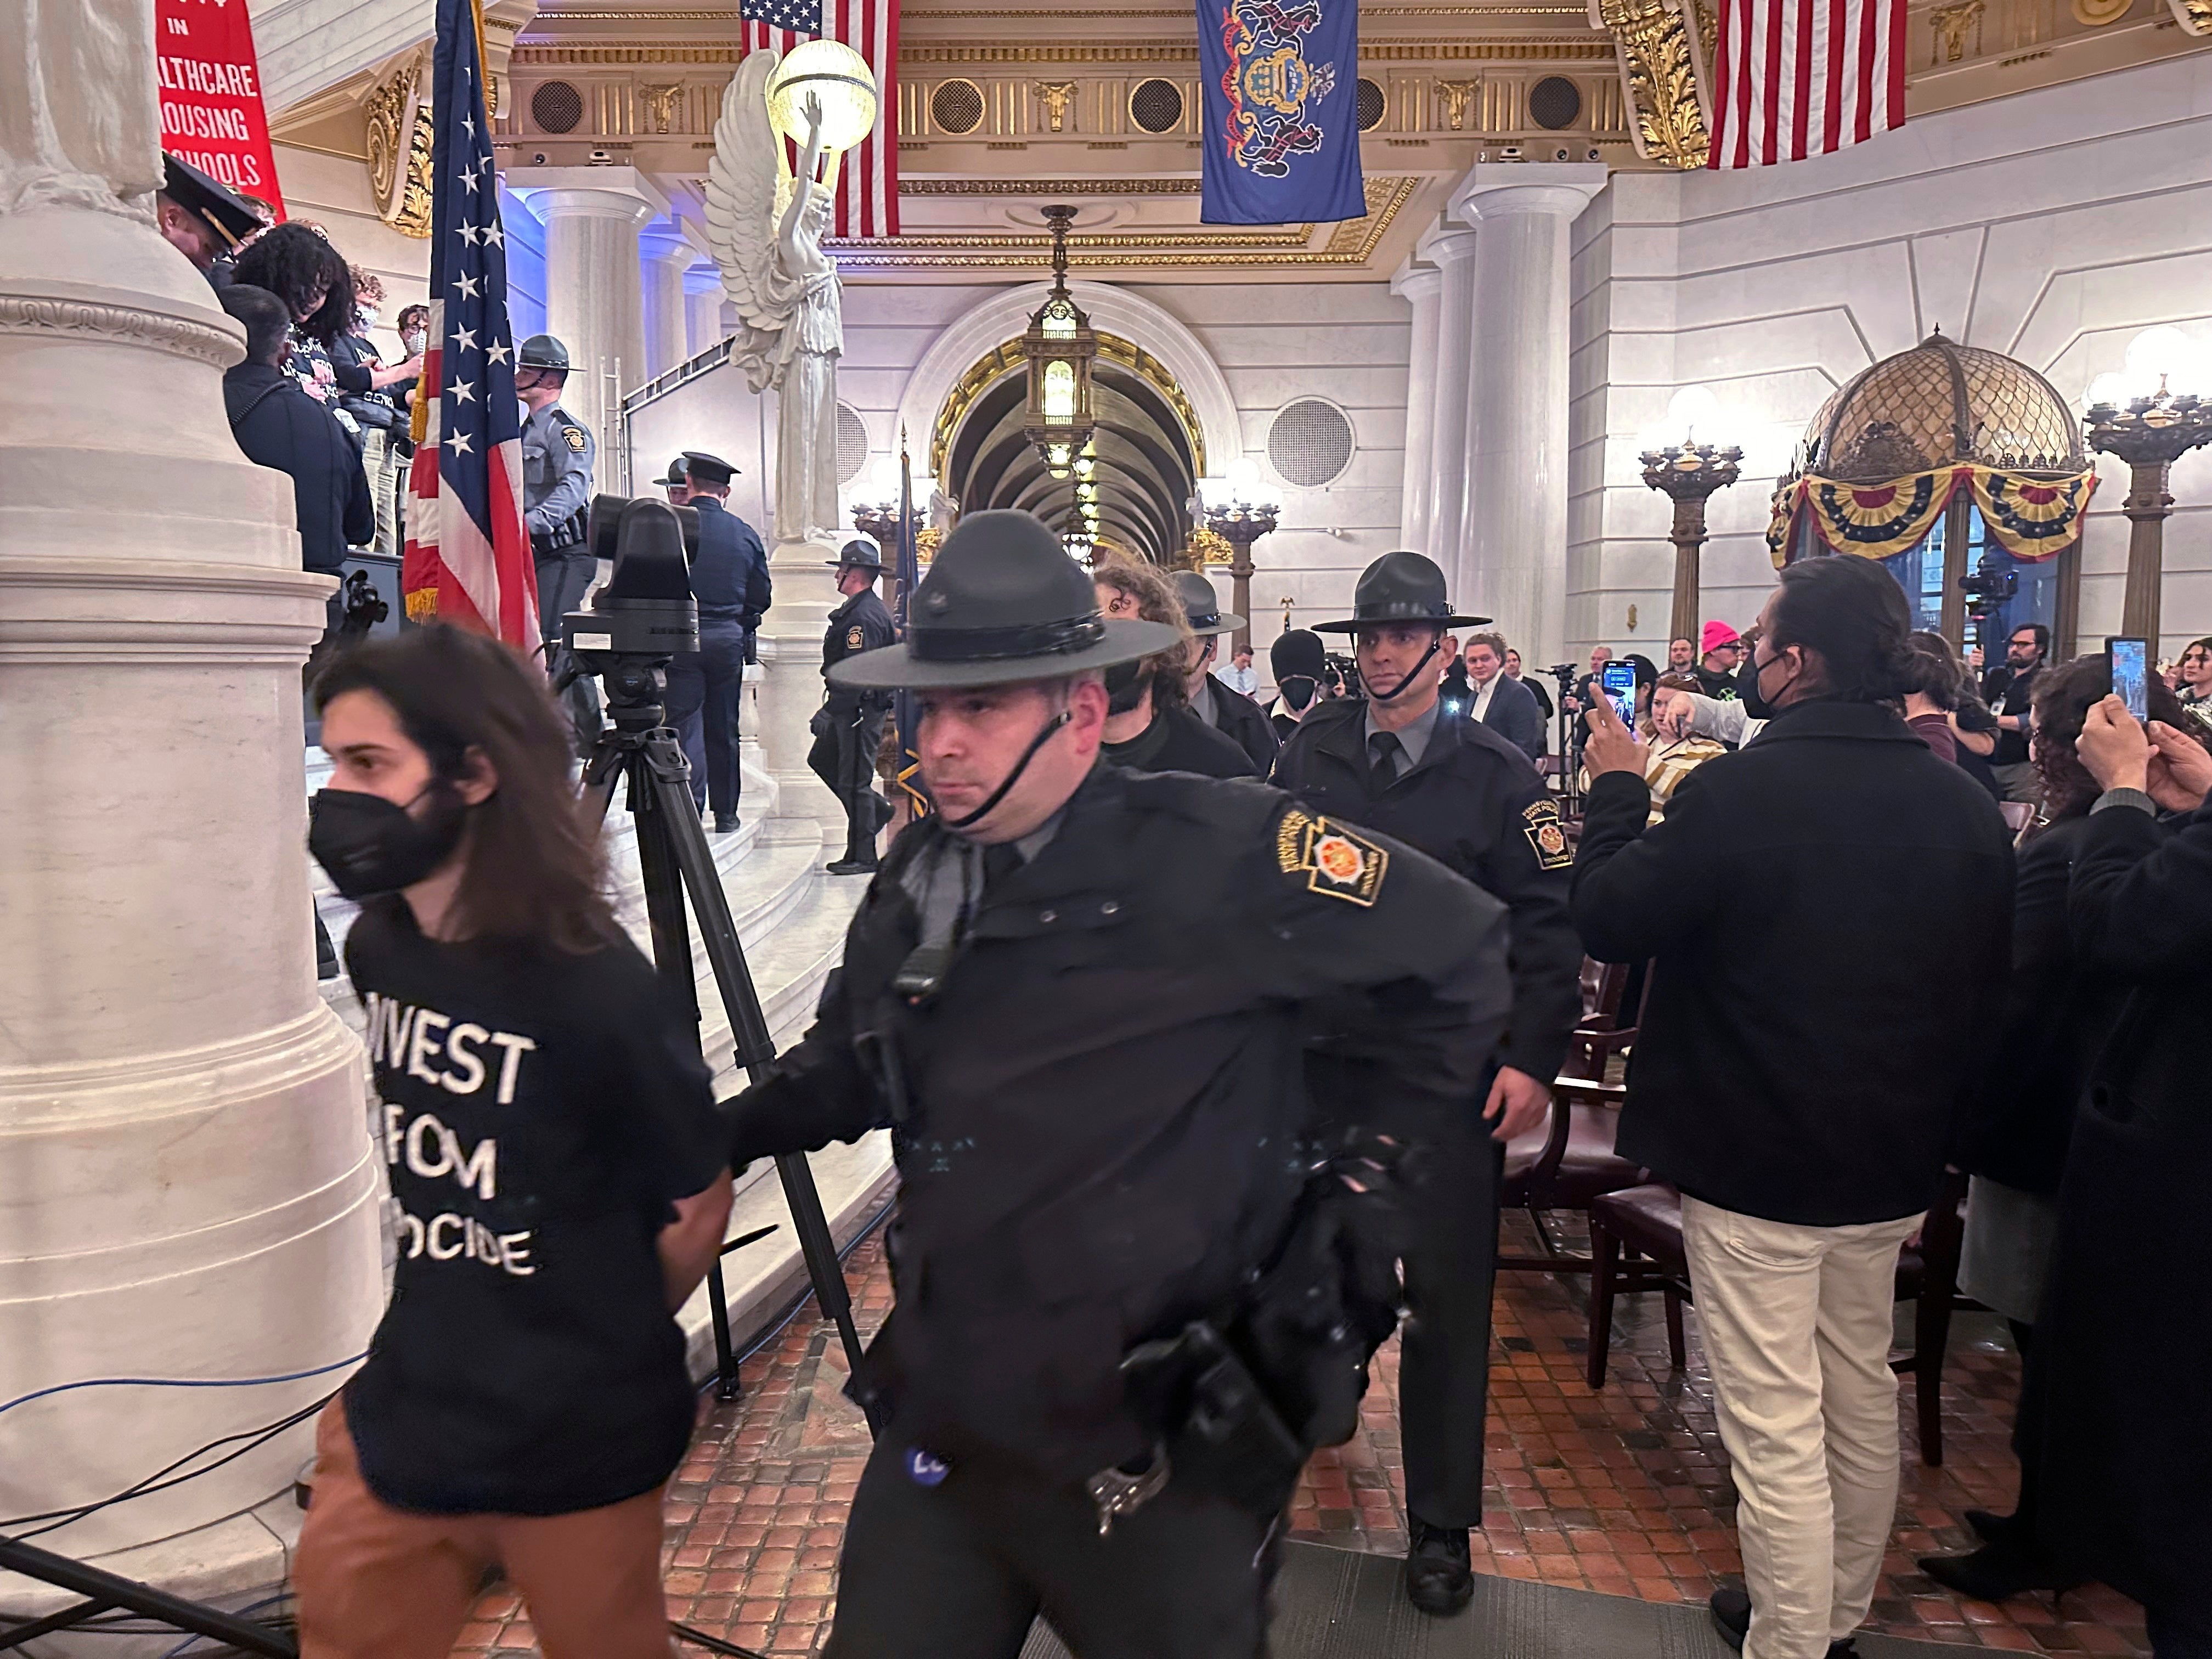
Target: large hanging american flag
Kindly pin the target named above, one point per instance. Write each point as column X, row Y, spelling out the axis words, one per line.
column 1794, row 78
column 468, row 554
column 867, row 174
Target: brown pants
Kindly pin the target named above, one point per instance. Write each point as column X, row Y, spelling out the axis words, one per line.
column 377, row 1582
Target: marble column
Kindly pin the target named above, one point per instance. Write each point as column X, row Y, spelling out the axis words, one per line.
column 187, row 1187
column 1512, row 551
column 703, row 307
column 594, row 293
column 1420, row 287
column 1452, row 252
column 664, row 254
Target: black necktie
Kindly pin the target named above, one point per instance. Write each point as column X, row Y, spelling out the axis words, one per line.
column 1384, row 749
column 999, row 862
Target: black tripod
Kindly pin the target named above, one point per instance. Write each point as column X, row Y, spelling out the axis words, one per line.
column 638, row 747
column 105, row 1592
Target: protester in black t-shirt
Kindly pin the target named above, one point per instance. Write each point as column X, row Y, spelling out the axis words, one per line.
column 2010, row 688
column 549, row 1129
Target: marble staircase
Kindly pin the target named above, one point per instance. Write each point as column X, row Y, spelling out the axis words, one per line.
column 791, row 918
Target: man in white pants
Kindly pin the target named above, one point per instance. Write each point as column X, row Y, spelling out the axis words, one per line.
column 1795, row 1084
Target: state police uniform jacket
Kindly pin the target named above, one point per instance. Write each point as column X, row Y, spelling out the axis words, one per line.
column 556, row 479
column 279, row 426
column 1475, row 803
column 729, row 573
column 1095, row 1122
column 861, row 623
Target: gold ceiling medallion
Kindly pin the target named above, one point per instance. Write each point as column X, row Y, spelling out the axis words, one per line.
column 2097, row 13
column 2195, row 16
column 995, row 365
column 1951, row 26
column 1057, row 97
column 1457, row 96
column 661, row 103
column 1658, row 74
column 400, row 137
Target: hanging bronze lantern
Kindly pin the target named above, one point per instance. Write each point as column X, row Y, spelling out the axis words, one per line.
column 1059, row 346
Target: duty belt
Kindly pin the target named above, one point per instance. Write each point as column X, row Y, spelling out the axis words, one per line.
column 722, row 613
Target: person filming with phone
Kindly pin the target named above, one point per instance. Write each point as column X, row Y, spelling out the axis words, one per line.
column 560, row 1171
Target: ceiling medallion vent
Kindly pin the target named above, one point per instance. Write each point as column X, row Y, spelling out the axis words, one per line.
column 556, row 106
column 1369, row 104
column 1156, row 105
column 1554, row 103
column 852, row 443
column 1309, row 444
column 957, row 107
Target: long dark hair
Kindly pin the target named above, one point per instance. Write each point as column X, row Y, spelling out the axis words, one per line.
column 2062, row 698
column 291, row 261
column 1851, row 611
column 533, row 873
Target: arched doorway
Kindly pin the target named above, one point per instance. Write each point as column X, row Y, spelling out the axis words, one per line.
column 1143, row 461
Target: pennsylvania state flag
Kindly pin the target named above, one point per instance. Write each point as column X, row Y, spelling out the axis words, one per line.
column 1281, row 133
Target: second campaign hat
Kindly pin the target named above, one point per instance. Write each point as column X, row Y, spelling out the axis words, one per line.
column 1202, row 605
column 1399, row 587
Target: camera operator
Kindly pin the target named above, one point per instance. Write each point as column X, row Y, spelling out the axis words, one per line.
column 560, row 1170
column 1093, row 1122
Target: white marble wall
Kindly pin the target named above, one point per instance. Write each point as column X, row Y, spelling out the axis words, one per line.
column 304, row 45
column 2054, row 227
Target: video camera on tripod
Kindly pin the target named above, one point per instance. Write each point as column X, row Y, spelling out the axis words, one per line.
column 646, row 613
column 1988, row 588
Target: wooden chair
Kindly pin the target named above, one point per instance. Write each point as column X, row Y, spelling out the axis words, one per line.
column 1605, row 1028
column 1644, row 1225
column 1567, row 1166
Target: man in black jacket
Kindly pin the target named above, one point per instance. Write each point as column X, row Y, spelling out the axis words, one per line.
column 844, row 755
column 729, row 575
column 2009, row 691
column 1098, row 1129
column 1797, row 1087
column 1215, row 701
column 1394, row 762
column 280, row 426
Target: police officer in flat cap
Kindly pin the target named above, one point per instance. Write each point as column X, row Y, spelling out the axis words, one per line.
column 851, row 722
column 729, row 577
column 1095, row 1393
column 1298, row 661
column 203, row 218
column 676, row 484
column 557, row 499
column 1220, row 705
column 1391, row 761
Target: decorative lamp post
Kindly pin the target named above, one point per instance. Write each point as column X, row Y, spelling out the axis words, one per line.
column 2149, row 432
column 1689, row 473
column 1239, row 522
column 1059, row 346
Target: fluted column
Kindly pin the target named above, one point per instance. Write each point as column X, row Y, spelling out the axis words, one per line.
column 1420, row 287
column 1512, row 553
column 1452, row 252
column 594, row 293
column 186, row 1184
column 703, row 307
column 663, row 255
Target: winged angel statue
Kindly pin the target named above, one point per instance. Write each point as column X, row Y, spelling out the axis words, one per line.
column 765, row 226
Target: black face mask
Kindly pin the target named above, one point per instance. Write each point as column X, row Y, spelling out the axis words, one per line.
column 1297, row 691
column 1755, row 699
column 368, row 845
column 1125, row 686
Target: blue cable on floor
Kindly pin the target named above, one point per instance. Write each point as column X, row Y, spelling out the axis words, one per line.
column 181, row 1382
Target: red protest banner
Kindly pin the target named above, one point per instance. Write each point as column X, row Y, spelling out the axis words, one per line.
column 211, row 82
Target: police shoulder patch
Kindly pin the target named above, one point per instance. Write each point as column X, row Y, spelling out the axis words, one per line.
column 574, row 434
column 855, row 638
column 1545, row 834
column 1329, row 859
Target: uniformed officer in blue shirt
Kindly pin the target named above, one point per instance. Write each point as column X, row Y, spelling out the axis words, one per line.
column 557, row 499
column 844, row 756
column 729, row 575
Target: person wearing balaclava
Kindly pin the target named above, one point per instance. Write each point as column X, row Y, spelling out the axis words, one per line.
column 1393, row 761
column 1297, row 661
column 1149, row 725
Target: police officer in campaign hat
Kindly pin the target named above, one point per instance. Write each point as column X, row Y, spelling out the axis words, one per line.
column 849, row 727
column 557, row 499
column 1119, row 1297
column 203, row 218
column 729, row 577
column 676, row 484
column 1219, row 704
column 1389, row 762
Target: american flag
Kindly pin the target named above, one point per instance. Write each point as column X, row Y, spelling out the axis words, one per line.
column 867, row 174
column 1794, row 78
column 468, row 555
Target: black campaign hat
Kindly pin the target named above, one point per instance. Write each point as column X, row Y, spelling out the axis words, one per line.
column 542, row 351
column 1399, row 587
column 1002, row 603
column 700, row 467
column 1202, row 605
column 675, row 475
column 1298, row 653
column 858, row 554
column 208, row 200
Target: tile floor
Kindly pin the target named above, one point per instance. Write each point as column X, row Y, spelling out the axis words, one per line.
column 1626, row 1491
